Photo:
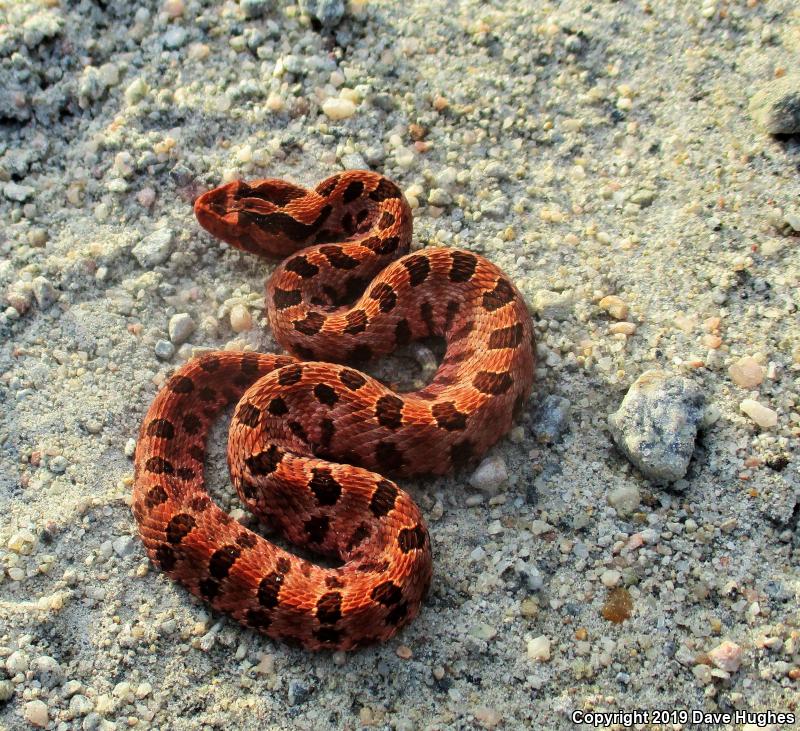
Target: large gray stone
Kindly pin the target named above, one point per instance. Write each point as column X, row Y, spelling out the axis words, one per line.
column 776, row 106
column 656, row 424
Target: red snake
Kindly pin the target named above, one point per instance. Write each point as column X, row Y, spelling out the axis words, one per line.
column 310, row 441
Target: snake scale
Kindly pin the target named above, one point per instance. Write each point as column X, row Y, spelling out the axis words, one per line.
column 313, row 441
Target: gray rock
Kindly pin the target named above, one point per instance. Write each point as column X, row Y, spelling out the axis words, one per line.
column 18, row 193
column 255, row 8
column 553, row 305
column 124, row 546
column 776, row 106
column 175, row 37
column 154, row 249
column 164, row 350
column 44, row 292
column 327, row 12
column 181, row 326
column 552, row 419
column 298, row 693
column 656, row 424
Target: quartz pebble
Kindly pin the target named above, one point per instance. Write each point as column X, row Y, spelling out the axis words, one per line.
column 44, row 292
column 154, row 249
column 338, row 108
column 241, row 319
column 539, row 649
column 490, row 475
column 726, row 656
column 551, row 305
column 181, row 326
column 762, row 415
column 36, row 713
column 746, row 372
column 552, row 419
column 614, row 306
column 327, row 12
column 656, row 424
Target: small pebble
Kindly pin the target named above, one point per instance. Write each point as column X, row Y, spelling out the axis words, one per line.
column 44, row 292
column 36, row 713
column 610, row 578
column 727, row 656
column 164, row 349
column 746, row 372
column 760, row 414
column 776, row 106
column 539, row 649
column 614, row 306
column 58, row 464
column 241, row 319
column 255, row 8
column 327, row 12
column 154, row 249
column 181, row 326
column 490, row 475
column 625, row 499
column 552, row 419
column 338, row 109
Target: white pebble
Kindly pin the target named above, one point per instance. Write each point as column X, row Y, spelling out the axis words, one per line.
column 36, row 714
column 760, row 414
column 615, row 306
column 17, row 662
column 490, row 475
column 539, row 649
column 624, row 499
column 610, row 578
column 726, row 656
column 22, row 542
column 181, row 326
column 44, row 292
column 241, row 319
column 338, row 108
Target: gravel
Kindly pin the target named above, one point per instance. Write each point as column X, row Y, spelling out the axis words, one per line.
column 603, row 155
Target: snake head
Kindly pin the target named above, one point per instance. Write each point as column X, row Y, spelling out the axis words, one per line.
column 264, row 217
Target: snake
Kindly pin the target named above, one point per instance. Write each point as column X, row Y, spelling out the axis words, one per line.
column 314, row 443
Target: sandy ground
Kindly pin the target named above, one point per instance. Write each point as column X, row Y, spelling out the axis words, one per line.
column 603, row 154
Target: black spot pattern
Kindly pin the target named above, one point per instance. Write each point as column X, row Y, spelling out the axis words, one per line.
column 325, row 488
column 222, row 559
column 283, row 565
column 388, row 456
column 199, row 503
column 277, row 406
column 450, row 314
column 196, row 453
column 161, row 428
column 418, row 268
column 328, row 635
column 359, row 534
column 192, row 423
column 302, row 266
column 329, row 608
column 278, row 194
column 248, row 415
column 426, row 313
column 269, row 589
column 181, row 384
column 506, row 337
column 317, row 528
column 353, row 191
column 265, row 462
column 159, row 466
column 402, row 332
column 389, row 411
column 207, row 394
column 311, row 324
column 258, row 619
column 285, row 298
column 411, row 539
column 448, row 416
column 382, row 501
column 166, row 557
column 463, row 331
column 359, row 354
column 356, row 322
column 385, row 190
column 155, row 496
column 325, row 394
column 352, row 379
column 297, row 429
column 463, row 267
column 209, row 363
column 387, row 219
column 185, row 473
column 336, row 256
column 326, row 187
column 348, row 224
column 283, row 224
column 461, row 453
column 290, row 375
column 179, row 527
column 246, row 540
column 501, row 295
column 398, row 614
column 387, row 593
column 209, row 588
column 493, row 384
column 250, row 364
column 385, row 296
